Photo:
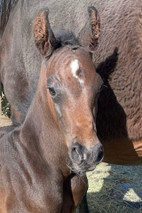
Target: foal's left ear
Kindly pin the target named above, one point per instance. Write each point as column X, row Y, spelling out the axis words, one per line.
column 89, row 35
column 43, row 35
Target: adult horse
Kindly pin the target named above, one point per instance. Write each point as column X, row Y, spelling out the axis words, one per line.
column 25, row 74
column 119, row 120
column 119, row 117
column 41, row 161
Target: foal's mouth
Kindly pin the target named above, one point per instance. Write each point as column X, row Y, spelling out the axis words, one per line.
column 82, row 168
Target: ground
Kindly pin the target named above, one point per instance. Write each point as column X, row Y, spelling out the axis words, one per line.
column 112, row 188
column 4, row 121
column 115, row 189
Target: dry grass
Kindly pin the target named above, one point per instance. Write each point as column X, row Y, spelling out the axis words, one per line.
column 112, row 188
column 115, row 189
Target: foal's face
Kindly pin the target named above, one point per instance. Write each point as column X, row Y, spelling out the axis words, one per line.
column 71, row 83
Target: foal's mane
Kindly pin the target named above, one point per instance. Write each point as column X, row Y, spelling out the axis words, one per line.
column 66, row 37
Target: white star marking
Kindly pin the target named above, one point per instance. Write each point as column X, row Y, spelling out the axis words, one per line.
column 74, row 68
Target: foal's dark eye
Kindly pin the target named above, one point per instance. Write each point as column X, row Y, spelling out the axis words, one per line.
column 52, row 91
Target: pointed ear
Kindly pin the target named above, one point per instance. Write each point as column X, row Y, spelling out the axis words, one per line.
column 89, row 35
column 43, row 35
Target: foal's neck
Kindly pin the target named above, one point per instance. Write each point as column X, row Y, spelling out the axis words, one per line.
column 43, row 130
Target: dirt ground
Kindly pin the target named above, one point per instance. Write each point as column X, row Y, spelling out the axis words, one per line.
column 4, row 121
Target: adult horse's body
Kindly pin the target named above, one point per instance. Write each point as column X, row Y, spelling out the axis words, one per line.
column 41, row 161
column 119, row 120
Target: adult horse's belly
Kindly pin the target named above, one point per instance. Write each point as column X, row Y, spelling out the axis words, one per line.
column 123, row 152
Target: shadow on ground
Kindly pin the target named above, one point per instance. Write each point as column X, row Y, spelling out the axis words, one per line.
column 115, row 189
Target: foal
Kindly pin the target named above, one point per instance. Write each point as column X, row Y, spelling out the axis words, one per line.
column 42, row 160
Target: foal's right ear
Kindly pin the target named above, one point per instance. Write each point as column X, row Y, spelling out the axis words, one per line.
column 43, row 35
column 88, row 36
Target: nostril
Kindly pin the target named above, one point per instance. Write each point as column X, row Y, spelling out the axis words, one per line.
column 77, row 153
column 75, row 150
column 100, row 155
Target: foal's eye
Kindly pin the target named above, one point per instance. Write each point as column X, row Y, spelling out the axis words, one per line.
column 52, row 91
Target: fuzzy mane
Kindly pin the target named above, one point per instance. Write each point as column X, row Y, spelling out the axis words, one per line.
column 65, row 37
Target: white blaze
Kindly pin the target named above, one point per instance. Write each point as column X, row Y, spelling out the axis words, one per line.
column 74, row 68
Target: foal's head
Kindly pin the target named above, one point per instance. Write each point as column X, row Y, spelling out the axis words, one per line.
column 71, row 91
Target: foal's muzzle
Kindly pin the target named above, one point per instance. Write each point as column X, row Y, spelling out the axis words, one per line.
column 84, row 160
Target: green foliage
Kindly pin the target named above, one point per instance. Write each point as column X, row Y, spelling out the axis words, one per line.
column 4, row 103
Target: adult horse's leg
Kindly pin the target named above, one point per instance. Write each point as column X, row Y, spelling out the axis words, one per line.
column 74, row 189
